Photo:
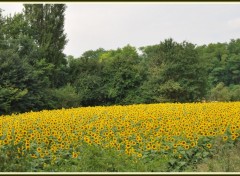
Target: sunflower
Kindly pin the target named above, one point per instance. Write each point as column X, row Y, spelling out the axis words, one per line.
column 46, row 152
column 74, row 155
column 186, row 147
column 33, row 156
column 39, row 149
column 154, row 147
column 209, row 146
column 233, row 137
column 27, row 145
column 5, row 141
column 179, row 156
column 225, row 138
column 183, row 142
column 42, row 155
column 148, row 147
column 128, row 146
column 193, row 144
column 166, row 147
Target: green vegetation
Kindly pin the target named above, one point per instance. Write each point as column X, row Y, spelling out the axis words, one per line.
column 93, row 158
column 35, row 73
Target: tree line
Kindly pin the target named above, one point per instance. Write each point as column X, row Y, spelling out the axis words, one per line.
column 35, row 74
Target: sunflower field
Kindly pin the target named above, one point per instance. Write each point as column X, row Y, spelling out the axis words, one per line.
column 169, row 136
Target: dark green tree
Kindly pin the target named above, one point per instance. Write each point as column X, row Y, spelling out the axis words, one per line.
column 1, row 29
column 46, row 22
column 123, row 75
column 215, row 57
column 24, row 79
column 23, row 87
column 176, row 73
column 85, row 73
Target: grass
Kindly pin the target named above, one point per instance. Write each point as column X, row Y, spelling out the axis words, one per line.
column 227, row 160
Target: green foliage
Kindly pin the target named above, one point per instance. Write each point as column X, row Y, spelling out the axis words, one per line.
column 86, row 75
column 224, row 93
column 226, row 159
column 46, row 26
column 23, row 87
column 25, row 73
column 235, row 92
column 222, row 62
column 220, row 93
column 176, row 72
column 8, row 95
column 168, row 72
column 107, row 77
column 123, row 76
column 222, row 156
column 89, row 89
column 66, row 97
column 10, row 161
column 14, row 75
column 46, row 22
column 36, row 73
column 91, row 158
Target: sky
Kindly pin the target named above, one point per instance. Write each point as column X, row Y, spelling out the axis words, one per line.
column 93, row 25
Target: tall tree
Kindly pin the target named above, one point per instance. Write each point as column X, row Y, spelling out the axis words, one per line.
column 122, row 75
column 86, row 75
column 47, row 29
column 2, row 21
column 24, row 80
column 175, row 73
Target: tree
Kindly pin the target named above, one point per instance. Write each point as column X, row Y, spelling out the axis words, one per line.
column 176, row 73
column 222, row 61
column 85, row 73
column 1, row 29
column 23, row 87
column 215, row 57
column 233, row 46
column 46, row 22
column 16, row 32
column 24, row 80
column 65, row 97
column 107, row 77
column 123, row 75
column 220, row 93
column 235, row 92
column 232, row 68
column 12, row 71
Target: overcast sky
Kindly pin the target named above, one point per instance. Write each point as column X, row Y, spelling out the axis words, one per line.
column 90, row 26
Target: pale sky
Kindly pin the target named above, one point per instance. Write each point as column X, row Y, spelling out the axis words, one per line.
column 90, row 26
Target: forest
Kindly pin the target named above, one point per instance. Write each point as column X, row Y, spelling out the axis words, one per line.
column 35, row 74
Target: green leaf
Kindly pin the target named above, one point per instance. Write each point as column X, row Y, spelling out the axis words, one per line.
column 182, row 152
column 2, row 137
column 205, row 154
column 198, row 155
column 172, row 161
column 182, row 163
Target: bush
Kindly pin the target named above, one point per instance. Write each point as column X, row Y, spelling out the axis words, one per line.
column 235, row 93
column 66, row 97
column 220, row 93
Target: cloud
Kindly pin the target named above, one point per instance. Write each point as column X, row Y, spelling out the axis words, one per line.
column 90, row 26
